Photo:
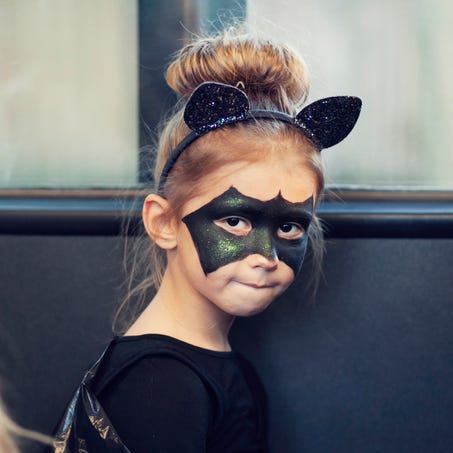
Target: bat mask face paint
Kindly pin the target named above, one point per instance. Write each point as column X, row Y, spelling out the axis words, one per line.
column 268, row 219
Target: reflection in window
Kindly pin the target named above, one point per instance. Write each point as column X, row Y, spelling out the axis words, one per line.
column 397, row 56
column 68, row 93
column 80, row 82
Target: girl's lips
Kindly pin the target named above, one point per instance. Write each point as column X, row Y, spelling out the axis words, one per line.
column 255, row 285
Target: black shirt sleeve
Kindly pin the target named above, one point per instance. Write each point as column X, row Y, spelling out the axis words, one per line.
column 159, row 404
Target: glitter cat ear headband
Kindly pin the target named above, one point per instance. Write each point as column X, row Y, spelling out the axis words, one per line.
column 325, row 122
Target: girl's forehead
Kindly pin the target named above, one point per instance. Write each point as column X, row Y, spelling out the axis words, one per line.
column 263, row 180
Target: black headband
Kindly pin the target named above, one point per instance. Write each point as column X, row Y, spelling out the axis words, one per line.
column 212, row 105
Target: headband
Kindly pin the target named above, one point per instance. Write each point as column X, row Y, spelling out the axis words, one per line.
column 325, row 122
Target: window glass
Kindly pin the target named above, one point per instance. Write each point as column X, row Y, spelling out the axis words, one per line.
column 68, row 93
column 81, row 84
column 397, row 55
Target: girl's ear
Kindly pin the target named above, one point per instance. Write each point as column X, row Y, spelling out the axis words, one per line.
column 159, row 225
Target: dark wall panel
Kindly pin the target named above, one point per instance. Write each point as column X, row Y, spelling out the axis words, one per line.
column 369, row 367
column 56, row 299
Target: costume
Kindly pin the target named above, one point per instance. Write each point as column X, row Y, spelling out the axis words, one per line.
column 161, row 394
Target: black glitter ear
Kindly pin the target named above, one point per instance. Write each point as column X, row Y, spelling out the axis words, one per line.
column 328, row 121
column 213, row 105
column 325, row 122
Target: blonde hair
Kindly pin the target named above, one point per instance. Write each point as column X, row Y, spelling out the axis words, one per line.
column 274, row 77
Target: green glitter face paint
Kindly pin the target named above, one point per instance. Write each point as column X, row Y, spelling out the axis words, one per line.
column 217, row 247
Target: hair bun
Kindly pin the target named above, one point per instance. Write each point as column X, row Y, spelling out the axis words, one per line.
column 271, row 74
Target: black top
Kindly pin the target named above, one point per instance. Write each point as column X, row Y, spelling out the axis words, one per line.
column 186, row 399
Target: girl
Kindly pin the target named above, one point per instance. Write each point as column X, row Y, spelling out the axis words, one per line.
column 239, row 177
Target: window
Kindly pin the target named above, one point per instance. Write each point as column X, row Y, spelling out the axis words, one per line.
column 81, row 84
column 398, row 57
column 68, row 94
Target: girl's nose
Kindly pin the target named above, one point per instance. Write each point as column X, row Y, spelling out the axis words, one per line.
column 268, row 263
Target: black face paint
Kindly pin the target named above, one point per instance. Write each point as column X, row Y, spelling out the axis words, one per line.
column 217, row 247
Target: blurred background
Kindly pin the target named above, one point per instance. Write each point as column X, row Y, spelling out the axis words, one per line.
column 367, row 368
column 82, row 88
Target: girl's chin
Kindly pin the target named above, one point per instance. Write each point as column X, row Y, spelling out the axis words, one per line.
column 248, row 307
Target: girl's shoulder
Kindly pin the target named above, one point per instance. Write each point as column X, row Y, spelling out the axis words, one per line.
column 160, row 355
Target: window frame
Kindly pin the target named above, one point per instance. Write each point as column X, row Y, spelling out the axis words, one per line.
column 345, row 213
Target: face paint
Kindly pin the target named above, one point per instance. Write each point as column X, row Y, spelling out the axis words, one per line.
column 217, row 247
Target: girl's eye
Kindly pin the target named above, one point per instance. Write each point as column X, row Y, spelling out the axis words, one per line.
column 233, row 221
column 235, row 225
column 290, row 231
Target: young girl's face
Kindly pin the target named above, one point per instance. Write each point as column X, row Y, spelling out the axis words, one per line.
column 241, row 242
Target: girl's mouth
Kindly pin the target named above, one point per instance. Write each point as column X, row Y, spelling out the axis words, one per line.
column 256, row 285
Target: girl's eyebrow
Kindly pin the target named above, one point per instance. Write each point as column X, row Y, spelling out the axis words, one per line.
column 232, row 195
column 234, row 202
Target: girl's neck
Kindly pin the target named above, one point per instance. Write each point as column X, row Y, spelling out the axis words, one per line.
column 185, row 316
